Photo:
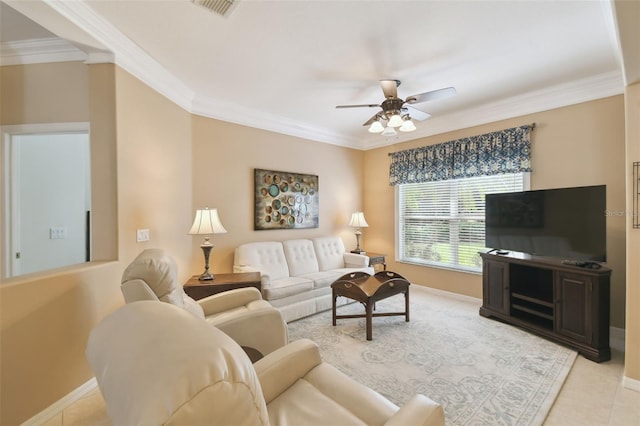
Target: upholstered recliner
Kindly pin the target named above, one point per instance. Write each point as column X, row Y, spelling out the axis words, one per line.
column 242, row 314
column 156, row 364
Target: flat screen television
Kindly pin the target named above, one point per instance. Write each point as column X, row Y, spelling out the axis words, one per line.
column 568, row 223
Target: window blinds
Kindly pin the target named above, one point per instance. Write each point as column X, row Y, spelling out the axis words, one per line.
column 442, row 222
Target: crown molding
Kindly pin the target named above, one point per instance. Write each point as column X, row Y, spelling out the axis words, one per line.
column 558, row 96
column 38, row 51
column 128, row 55
column 210, row 108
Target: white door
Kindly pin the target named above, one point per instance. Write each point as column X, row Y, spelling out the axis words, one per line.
column 49, row 188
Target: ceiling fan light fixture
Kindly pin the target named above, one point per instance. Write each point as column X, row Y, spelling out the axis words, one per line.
column 395, row 121
column 376, row 127
column 407, row 126
column 389, row 131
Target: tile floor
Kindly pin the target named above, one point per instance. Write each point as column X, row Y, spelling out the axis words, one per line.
column 591, row 396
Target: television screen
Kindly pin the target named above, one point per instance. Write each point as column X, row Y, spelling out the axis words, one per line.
column 568, row 222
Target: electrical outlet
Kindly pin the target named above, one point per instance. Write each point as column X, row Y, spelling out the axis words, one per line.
column 142, row 235
column 57, row 233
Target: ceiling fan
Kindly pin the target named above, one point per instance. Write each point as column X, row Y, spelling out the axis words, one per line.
column 397, row 112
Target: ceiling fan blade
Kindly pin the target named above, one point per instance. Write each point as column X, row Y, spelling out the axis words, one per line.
column 390, row 88
column 416, row 114
column 371, row 120
column 358, row 106
column 432, row 95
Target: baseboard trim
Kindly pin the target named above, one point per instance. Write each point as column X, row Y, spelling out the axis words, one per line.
column 631, row 384
column 616, row 338
column 62, row 403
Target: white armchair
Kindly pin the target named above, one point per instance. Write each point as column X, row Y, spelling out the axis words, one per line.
column 242, row 314
column 150, row 371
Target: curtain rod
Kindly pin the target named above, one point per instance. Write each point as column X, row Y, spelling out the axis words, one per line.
column 532, row 125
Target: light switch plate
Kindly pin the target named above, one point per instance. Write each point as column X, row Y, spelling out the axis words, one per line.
column 142, row 235
column 57, row 233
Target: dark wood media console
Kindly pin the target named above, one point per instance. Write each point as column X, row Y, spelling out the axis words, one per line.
column 565, row 303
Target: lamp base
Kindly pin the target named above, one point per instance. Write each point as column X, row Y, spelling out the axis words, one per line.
column 357, row 249
column 206, row 276
column 206, row 249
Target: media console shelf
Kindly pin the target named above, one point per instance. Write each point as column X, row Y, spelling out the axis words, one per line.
column 565, row 303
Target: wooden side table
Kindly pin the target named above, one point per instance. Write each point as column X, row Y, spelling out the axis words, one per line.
column 197, row 289
column 377, row 259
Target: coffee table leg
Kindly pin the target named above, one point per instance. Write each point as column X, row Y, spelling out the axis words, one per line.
column 369, row 314
column 334, row 307
column 406, row 305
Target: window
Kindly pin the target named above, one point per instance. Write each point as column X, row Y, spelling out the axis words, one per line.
column 441, row 223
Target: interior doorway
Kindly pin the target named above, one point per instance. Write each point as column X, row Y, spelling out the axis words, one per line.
column 47, row 209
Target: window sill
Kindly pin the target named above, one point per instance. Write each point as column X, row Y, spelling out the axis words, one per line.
column 444, row 267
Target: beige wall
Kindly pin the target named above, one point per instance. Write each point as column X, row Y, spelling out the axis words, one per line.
column 45, row 320
column 44, row 93
column 102, row 101
column 632, row 341
column 224, row 156
column 572, row 146
column 154, row 171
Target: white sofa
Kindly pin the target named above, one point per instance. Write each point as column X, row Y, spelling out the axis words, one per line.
column 297, row 274
column 156, row 364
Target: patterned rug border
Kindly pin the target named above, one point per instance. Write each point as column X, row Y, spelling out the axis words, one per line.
column 519, row 389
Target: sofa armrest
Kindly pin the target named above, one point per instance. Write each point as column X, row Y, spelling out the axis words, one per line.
column 419, row 411
column 355, row 260
column 245, row 268
column 229, row 300
column 264, row 277
column 282, row 368
column 262, row 329
column 135, row 290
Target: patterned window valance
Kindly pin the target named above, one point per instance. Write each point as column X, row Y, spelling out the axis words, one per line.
column 505, row 151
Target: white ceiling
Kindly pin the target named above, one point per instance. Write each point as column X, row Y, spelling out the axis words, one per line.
column 285, row 65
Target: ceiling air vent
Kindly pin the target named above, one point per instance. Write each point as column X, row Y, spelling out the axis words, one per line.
column 221, row 7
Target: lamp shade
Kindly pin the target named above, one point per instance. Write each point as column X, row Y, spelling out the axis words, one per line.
column 358, row 221
column 376, row 127
column 395, row 121
column 408, row 126
column 207, row 222
column 389, row 131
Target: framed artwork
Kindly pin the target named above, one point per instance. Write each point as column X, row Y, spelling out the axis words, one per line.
column 285, row 200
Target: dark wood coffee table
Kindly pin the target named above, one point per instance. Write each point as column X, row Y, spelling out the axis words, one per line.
column 368, row 289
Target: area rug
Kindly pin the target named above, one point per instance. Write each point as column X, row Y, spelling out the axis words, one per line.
column 482, row 371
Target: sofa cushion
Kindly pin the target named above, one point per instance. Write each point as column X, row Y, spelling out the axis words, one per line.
column 301, row 257
column 330, row 251
column 350, row 403
column 285, row 287
column 317, row 409
column 267, row 256
column 324, row 278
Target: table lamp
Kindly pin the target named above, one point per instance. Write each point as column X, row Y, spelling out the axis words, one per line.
column 207, row 222
column 358, row 221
